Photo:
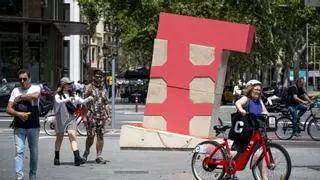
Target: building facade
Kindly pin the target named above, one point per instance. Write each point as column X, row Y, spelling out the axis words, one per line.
column 72, row 66
column 105, row 35
column 96, row 45
column 32, row 37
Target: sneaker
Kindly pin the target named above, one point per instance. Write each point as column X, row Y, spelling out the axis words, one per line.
column 301, row 126
column 100, row 160
column 296, row 134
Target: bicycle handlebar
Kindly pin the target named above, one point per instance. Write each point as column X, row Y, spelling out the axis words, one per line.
column 260, row 120
column 311, row 105
column 257, row 116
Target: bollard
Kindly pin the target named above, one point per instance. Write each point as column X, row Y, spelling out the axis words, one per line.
column 136, row 101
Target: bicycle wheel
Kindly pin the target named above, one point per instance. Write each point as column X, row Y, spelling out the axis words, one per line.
column 203, row 171
column 314, row 129
column 284, row 128
column 81, row 128
column 49, row 125
column 279, row 159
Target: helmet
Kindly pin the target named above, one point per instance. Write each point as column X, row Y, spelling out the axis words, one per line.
column 253, row 82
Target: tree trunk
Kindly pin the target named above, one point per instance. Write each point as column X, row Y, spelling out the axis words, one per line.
column 296, row 65
column 279, row 67
column 265, row 74
column 286, row 76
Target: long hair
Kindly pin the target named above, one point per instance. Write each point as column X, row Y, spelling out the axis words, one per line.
column 59, row 91
column 249, row 90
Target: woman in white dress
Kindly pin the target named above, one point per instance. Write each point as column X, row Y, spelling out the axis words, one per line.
column 65, row 121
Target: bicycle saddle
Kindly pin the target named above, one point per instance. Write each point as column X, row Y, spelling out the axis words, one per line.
column 221, row 128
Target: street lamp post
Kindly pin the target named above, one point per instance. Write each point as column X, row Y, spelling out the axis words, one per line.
column 112, row 51
column 105, row 54
column 113, row 88
column 307, row 55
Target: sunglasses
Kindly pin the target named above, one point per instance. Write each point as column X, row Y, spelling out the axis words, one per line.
column 98, row 76
column 23, row 79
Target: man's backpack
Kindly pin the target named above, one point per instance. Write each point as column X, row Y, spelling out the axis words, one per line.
column 45, row 105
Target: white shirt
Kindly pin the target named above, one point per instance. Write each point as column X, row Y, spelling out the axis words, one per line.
column 61, row 101
column 21, row 91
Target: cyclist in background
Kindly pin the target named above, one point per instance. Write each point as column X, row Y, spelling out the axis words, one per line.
column 251, row 103
column 297, row 100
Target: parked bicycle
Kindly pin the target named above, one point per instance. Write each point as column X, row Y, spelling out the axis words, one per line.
column 212, row 160
column 311, row 125
column 49, row 123
column 220, row 123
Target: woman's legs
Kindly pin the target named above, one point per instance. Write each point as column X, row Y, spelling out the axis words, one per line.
column 263, row 170
column 72, row 134
column 74, row 147
column 59, row 139
column 57, row 146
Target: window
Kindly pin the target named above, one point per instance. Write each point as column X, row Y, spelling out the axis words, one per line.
column 93, row 54
column 10, row 49
column 66, row 58
column 105, row 27
column 66, row 12
column 11, row 8
column 109, row 27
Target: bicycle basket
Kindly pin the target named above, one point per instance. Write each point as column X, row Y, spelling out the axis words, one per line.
column 316, row 112
column 271, row 123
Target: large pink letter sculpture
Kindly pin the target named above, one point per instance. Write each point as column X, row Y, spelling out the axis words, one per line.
column 188, row 71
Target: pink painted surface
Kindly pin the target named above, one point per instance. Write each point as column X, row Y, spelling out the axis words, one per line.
column 178, row 71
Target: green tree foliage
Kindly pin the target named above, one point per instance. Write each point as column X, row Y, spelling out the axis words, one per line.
column 91, row 10
column 280, row 24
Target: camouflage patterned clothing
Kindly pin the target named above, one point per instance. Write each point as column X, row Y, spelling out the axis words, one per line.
column 99, row 110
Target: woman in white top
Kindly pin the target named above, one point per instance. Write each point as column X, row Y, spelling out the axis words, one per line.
column 66, row 122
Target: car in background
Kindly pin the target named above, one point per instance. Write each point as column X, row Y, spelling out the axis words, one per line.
column 46, row 97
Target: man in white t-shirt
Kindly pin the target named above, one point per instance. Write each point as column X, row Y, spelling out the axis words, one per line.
column 23, row 105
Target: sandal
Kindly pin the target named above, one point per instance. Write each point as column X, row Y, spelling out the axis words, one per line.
column 100, row 160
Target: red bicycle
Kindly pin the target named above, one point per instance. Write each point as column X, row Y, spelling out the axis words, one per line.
column 269, row 160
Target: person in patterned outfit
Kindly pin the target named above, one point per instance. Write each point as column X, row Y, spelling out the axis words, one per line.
column 98, row 113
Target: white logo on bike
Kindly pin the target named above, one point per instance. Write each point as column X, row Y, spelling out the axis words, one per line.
column 238, row 128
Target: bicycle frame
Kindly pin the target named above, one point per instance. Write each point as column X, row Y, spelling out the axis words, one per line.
column 230, row 165
column 309, row 118
column 305, row 122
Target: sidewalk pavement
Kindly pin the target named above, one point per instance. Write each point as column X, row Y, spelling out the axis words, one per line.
column 136, row 165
